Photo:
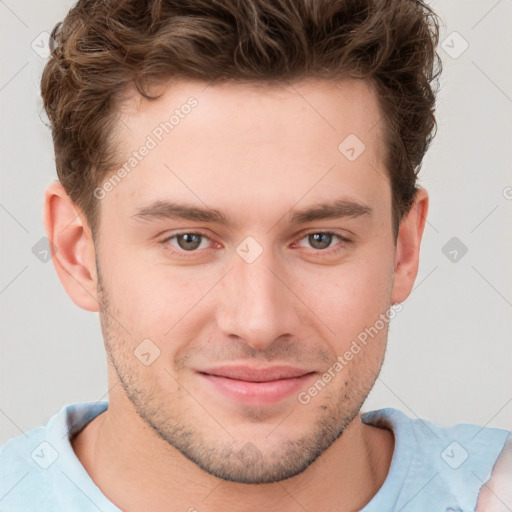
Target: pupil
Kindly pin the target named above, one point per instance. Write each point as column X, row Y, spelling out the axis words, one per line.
column 189, row 241
column 316, row 239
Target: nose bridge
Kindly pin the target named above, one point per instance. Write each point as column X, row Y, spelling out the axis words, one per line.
column 256, row 304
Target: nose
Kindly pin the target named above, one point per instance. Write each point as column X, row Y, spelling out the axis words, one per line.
column 257, row 304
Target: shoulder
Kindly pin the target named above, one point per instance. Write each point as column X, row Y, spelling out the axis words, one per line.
column 450, row 446
column 35, row 463
column 452, row 461
column 22, row 462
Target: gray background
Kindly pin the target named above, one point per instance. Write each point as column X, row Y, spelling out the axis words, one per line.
column 450, row 350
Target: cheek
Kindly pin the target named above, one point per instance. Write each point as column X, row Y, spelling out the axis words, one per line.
column 154, row 301
column 352, row 296
column 137, row 288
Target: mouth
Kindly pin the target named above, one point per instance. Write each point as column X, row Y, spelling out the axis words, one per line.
column 256, row 386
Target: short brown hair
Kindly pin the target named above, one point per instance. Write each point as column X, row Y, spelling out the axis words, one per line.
column 101, row 47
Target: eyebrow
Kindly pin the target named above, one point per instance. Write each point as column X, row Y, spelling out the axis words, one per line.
column 162, row 209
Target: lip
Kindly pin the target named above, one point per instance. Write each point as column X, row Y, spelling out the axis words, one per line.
column 253, row 374
column 256, row 387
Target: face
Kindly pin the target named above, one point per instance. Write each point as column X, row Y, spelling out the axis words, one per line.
column 275, row 277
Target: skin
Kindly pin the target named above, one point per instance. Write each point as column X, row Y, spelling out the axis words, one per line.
column 167, row 440
column 496, row 494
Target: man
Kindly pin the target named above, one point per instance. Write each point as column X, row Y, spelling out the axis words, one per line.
column 237, row 198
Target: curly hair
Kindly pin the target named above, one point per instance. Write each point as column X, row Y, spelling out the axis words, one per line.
column 102, row 47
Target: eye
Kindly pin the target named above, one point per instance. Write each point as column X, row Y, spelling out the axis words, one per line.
column 192, row 242
column 322, row 240
column 187, row 241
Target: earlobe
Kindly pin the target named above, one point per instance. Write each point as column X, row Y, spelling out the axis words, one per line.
column 408, row 247
column 74, row 252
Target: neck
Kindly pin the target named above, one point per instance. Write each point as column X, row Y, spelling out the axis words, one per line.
column 138, row 471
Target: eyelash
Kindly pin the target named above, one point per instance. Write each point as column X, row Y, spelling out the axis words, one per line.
column 187, row 254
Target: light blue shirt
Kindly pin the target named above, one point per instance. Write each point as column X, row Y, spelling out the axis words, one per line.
column 434, row 468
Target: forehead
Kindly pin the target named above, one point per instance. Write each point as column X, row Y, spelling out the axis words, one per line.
column 232, row 143
column 347, row 105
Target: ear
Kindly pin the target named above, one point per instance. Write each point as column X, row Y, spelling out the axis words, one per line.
column 407, row 250
column 72, row 247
